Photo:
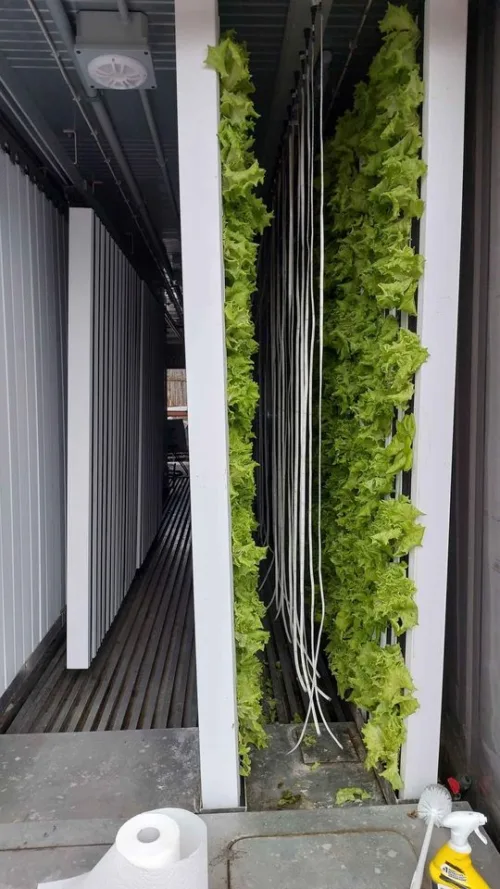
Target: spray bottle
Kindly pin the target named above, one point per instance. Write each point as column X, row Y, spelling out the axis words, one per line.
column 452, row 866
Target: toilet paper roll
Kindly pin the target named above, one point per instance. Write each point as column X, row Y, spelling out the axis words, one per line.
column 150, row 840
column 163, row 849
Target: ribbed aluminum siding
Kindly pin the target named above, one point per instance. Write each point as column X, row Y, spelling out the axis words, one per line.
column 33, row 318
column 471, row 689
column 114, row 431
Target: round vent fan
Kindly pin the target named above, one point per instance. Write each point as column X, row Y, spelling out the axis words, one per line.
column 115, row 72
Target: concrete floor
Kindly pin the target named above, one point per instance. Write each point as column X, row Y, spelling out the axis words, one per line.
column 369, row 848
column 112, row 775
column 64, row 797
column 310, row 776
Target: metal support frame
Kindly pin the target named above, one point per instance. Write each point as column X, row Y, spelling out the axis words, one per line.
column 196, row 26
column 445, row 45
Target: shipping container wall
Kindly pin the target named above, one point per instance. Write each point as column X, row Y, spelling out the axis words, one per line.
column 33, row 322
column 115, row 417
column 471, row 687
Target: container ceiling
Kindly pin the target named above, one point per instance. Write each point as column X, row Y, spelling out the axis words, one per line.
column 274, row 32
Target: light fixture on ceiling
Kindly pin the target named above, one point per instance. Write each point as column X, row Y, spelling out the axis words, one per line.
column 117, row 72
column 113, row 55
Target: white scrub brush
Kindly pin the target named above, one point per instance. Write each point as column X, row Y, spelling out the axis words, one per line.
column 433, row 806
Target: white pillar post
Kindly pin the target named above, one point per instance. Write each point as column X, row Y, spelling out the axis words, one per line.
column 445, row 46
column 79, row 470
column 196, row 26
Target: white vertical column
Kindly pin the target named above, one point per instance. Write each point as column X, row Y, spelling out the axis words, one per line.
column 196, row 25
column 445, row 45
column 80, row 336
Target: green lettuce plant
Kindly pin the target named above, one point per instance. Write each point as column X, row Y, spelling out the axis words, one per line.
column 373, row 167
column 244, row 219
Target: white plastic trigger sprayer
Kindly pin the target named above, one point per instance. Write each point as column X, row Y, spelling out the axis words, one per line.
column 462, row 824
column 452, row 865
column 434, row 806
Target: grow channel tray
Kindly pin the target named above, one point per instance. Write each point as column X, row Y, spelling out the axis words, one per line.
column 346, row 860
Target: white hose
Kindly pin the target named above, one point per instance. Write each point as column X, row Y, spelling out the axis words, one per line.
column 293, row 302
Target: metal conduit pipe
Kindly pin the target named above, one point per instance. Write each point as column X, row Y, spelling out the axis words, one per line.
column 123, row 11
column 64, row 29
column 114, row 143
column 155, row 136
column 160, row 157
column 162, row 163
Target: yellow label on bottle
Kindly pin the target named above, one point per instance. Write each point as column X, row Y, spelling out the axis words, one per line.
column 449, row 873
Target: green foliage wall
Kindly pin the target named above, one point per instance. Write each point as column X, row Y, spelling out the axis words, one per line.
column 373, row 168
column 244, row 218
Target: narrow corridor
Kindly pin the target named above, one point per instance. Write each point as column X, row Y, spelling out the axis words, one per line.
column 143, row 676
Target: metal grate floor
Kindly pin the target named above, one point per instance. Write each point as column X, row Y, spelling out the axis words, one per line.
column 285, row 699
column 143, row 676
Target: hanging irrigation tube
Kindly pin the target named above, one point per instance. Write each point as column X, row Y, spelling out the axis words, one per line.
column 336, row 368
column 291, row 370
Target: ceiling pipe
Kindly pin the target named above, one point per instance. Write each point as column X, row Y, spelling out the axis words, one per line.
column 108, row 129
column 123, row 11
column 153, row 129
column 63, row 26
column 160, row 157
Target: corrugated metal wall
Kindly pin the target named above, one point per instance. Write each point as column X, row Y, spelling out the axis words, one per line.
column 115, row 360
column 33, row 320
column 471, row 688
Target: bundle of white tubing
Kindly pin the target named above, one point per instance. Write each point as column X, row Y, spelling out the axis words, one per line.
column 291, row 330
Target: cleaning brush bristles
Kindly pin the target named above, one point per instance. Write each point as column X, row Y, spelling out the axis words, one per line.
column 434, row 804
column 433, row 807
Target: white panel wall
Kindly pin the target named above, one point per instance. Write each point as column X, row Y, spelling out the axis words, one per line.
column 33, row 291
column 115, row 428
column 151, row 422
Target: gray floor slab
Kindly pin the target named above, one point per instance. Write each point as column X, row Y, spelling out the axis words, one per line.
column 310, row 776
column 267, row 862
column 110, row 774
column 366, row 848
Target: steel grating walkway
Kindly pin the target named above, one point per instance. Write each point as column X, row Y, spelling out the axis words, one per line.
column 143, row 676
column 285, row 699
